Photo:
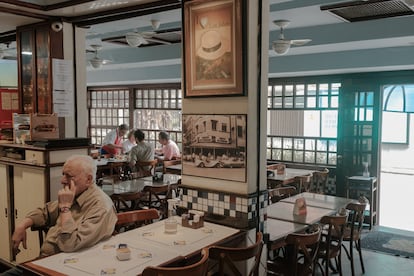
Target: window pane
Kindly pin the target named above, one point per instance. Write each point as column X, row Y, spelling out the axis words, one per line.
column 298, row 156
column 311, row 123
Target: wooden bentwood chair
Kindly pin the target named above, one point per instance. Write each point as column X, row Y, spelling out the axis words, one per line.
column 228, row 256
column 199, row 268
column 134, row 219
column 300, row 254
column 146, row 168
column 280, row 193
column 304, row 183
column 331, row 242
column 320, row 180
column 353, row 231
column 156, row 196
column 127, row 201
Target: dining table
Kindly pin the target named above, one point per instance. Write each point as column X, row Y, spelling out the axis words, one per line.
column 287, row 177
column 174, row 169
column 281, row 221
column 320, row 200
column 150, row 245
column 284, row 211
column 111, row 166
column 137, row 185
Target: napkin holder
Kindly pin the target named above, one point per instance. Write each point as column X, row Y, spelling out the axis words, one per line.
column 280, row 169
column 194, row 219
column 300, row 206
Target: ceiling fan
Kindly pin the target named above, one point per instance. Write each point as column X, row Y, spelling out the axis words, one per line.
column 136, row 39
column 282, row 45
column 96, row 61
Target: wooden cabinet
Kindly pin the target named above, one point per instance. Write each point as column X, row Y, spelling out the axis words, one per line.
column 365, row 186
column 32, row 177
column 5, row 217
column 37, row 45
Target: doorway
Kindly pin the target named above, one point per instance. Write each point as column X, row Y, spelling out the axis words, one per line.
column 397, row 166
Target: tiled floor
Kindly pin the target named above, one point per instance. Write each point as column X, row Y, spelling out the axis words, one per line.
column 380, row 264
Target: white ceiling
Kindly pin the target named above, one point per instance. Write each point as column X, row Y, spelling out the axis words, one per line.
column 329, row 34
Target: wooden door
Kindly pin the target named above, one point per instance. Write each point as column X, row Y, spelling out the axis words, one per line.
column 358, row 130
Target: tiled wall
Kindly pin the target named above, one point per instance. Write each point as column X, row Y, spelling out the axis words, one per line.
column 235, row 207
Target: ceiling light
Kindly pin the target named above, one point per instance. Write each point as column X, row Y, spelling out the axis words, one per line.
column 96, row 62
column 281, row 46
column 155, row 24
column 134, row 39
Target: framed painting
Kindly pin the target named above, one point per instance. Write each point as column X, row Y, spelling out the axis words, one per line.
column 213, row 48
column 214, row 146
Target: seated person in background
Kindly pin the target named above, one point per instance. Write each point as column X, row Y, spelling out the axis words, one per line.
column 112, row 143
column 82, row 216
column 128, row 144
column 141, row 152
column 169, row 148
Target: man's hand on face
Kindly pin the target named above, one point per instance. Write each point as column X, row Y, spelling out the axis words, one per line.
column 67, row 194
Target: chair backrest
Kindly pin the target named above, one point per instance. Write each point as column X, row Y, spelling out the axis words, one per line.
column 133, row 219
column 228, row 255
column 277, row 194
column 155, row 196
column 167, row 163
column 146, row 168
column 126, row 201
column 199, row 268
column 304, row 249
column 332, row 236
column 320, row 180
column 304, row 182
column 279, row 168
column 355, row 219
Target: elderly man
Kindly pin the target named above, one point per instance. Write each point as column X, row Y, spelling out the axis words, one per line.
column 112, row 143
column 82, row 216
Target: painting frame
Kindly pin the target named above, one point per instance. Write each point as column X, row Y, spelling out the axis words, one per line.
column 215, row 146
column 213, row 48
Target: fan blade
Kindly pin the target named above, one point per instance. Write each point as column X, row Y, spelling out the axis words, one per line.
column 300, row 42
column 9, row 57
column 158, row 40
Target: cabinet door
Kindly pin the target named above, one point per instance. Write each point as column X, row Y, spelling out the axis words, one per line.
column 29, row 194
column 5, row 233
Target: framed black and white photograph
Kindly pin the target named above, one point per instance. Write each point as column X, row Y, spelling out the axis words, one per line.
column 214, row 146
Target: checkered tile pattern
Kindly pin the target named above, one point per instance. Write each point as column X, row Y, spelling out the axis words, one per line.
column 230, row 205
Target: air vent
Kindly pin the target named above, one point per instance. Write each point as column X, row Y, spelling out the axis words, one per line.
column 353, row 11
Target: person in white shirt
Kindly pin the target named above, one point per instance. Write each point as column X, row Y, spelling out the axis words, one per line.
column 112, row 143
column 128, row 144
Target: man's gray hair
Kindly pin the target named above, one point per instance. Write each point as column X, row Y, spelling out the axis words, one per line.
column 87, row 164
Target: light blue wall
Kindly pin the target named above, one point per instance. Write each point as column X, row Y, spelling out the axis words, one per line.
column 8, row 73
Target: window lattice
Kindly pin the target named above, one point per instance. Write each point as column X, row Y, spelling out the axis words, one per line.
column 303, row 97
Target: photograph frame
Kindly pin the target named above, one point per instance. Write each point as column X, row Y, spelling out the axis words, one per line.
column 214, row 58
column 215, row 146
